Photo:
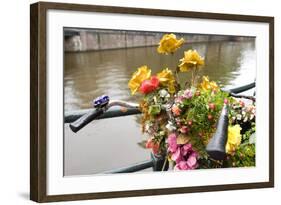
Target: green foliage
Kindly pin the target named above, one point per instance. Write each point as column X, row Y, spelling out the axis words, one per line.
column 203, row 116
column 154, row 109
column 243, row 157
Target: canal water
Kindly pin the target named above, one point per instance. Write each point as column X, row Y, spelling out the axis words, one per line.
column 112, row 143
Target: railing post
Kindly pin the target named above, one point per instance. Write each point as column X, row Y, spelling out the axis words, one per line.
column 159, row 162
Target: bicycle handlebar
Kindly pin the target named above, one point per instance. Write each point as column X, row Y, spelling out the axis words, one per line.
column 85, row 119
column 93, row 114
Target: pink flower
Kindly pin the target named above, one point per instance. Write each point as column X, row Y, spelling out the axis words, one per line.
column 179, row 99
column 148, row 86
column 187, row 94
column 186, row 148
column 184, row 129
column 212, row 106
column 185, row 157
column 176, row 110
column 177, row 157
column 183, row 165
column 178, row 122
column 177, row 167
column 225, row 101
column 192, row 162
column 194, row 154
column 172, row 143
column 210, row 117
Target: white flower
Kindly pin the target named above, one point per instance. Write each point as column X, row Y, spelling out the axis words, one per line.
column 170, row 126
column 164, row 93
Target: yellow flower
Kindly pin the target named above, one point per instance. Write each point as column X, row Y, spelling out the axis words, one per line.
column 214, row 85
column 169, row 44
column 190, row 60
column 207, row 85
column 143, row 73
column 233, row 139
column 166, row 78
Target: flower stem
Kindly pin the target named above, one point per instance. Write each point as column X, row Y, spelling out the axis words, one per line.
column 164, row 165
column 177, row 78
column 192, row 77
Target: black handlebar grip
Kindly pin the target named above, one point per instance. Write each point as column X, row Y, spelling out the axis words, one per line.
column 216, row 146
column 85, row 119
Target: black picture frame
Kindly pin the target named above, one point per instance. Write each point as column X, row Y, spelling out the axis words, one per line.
column 38, row 102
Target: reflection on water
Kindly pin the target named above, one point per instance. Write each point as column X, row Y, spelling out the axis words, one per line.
column 90, row 74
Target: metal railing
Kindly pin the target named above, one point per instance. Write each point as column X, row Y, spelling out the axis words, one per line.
column 156, row 162
column 112, row 112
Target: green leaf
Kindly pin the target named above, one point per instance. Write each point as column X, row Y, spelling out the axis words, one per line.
column 154, row 109
column 142, row 144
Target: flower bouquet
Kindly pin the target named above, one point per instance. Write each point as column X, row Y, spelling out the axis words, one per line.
column 182, row 118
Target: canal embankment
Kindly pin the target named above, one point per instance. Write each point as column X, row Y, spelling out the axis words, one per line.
column 93, row 40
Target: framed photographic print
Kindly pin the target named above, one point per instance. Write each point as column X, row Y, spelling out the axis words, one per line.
column 135, row 102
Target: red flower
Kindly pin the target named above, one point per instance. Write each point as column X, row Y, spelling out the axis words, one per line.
column 148, row 86
column 151, row 145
